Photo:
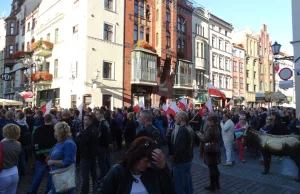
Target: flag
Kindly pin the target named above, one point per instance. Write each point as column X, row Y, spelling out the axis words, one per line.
column 213, row 91
column 164, row 109
column 230, row 103
column 26, row 94
column 154, row 107
column 46, row 107
column 173, row 109
column 138, row 107
column 207, row 105
column 182, row 104
column 192, row 105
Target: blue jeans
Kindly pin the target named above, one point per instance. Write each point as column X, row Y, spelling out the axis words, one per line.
column 183, row 178
column 40, row 169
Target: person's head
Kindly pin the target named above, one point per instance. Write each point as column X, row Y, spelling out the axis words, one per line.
column 27, row 111
column 11, row 132
column 100, row 114
column 10, row 115
column 242, row 119
column 252, row 113
column 145, row 117
column 20, row 116
column 139, row 155
column 130, row 115
column 48, row 119
column 62, row 131
column 65, row 114
column 156, row 112
column 88, row 120
column 277, row 119
column 119, row 111
column 182, row 118
column 226, row 116
column 170, row 117
column 39, row 114
column 76, row 113
column 212, row 120
column 269, row 119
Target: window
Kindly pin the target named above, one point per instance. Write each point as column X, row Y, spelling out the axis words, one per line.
column 12, row 28
column 28, row 27
column 109, row 4
column 248, row 87
column 168, row 15
column 220, row 82
column 261, row 86
column 142, row 7
column 227, row 83
column 254, row 87
column 56, row 68
column 23, row 46
column 136, row 7
column 75, row 32
column 18, row 25
column 235, row 82
column 107, row 70
column 221, row 63
column 199, row 78
column 214, row 61
column 247, row 61
column 202, row 50
column 241, row 68
column 180, row 24
column 23, row 29
column 108, row 32
column 147, row 35
column 106, row 101
column 197, row 49
column 226, row 47
column 135, row 35
column 225, row 33
column 202, row 32
column 214, row 80
column 220, row 44
column 235, row 66
column 56, row 36
column 247, row 73
column 227, row 65
column 261, row 69
column 213, row 41
column 183, row 45
column 241, row 83
column 178, row 45
column 28, row 47
column 148, row 12
column 48, row 37
column 141, row 33
column 168, row 39
column 11, row 50
column 33, row 23
column 73, row 101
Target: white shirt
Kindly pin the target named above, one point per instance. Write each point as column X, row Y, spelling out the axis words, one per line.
column 138, row 186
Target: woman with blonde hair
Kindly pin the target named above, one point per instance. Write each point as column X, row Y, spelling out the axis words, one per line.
column 63, row 154
column 11, row 149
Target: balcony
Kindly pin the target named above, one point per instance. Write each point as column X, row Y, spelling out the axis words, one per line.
column 141, row 20
column 200, row 63
column 41, row 77
column 143, row 67
column 42, row 48
column 15, row 89
column 183, row 77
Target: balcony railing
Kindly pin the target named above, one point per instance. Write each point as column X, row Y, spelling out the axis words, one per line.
column 200, row 63
column 42, row 48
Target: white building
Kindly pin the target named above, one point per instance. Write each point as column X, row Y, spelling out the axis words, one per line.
column 296, row 44
column 221, row 54
column 200, row 30
column 77, row 52
column 288, row 92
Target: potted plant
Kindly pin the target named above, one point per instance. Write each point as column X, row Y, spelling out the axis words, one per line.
column 42, row 44
column 20, row 54
column 144, row 44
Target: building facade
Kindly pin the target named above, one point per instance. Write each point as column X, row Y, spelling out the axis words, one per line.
column 249, row 40
column 2, row 51
column 238, row 73
column 296, row 45
column 200, row 54
column 221, row 55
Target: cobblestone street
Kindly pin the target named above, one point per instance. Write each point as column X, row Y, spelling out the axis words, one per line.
column 241, row 178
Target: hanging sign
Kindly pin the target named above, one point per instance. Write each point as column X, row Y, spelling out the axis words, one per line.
column 6, row 77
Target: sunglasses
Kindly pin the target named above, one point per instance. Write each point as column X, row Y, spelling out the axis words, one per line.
column 147, row 143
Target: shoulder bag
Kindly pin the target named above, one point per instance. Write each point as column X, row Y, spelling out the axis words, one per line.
column 64, row 179
column 212, row 147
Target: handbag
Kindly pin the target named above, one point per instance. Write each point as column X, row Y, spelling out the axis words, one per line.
column 64, row 179
column 211, row 147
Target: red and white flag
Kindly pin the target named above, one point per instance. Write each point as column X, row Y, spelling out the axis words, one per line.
column 192, row 105
column 138, row 107
column 214, row 91
column 173, row 109
column 164, row 109
column 230, row 103
column 26, row 94
column 207, row 105
column 46, row 107
column 182, row 104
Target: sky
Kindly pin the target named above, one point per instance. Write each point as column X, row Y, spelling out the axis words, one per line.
column 276, row 14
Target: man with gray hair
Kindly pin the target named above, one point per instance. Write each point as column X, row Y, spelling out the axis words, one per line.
column 183, row 153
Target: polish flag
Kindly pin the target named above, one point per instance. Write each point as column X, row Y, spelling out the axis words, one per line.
column 46, row 107
column 164, row 109
column 214, row 91
column 182, row 104
column 207, row 105
column 138, row 107
column 230, row 103
column 26, row 94
column 173, row 109
column 192, row 105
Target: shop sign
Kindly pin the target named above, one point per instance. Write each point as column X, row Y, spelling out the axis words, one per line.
column 141, row 89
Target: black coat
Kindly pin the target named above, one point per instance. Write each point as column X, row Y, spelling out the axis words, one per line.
column 130, row 130
column 119, row 181
column 89, row 142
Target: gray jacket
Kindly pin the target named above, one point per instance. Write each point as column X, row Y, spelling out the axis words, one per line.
column 11, row 152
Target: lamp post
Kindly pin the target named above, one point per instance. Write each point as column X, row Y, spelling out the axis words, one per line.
column 276, row 51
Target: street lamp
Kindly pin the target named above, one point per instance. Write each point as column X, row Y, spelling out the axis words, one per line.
column 276, row 51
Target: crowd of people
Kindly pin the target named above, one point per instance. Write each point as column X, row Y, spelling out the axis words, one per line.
column 64, row 137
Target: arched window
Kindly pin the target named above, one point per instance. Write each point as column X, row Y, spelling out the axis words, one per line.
column 181, row 24
column 168, row 15
column 136, row 7
column 148, row 12
column 168, row 39
column 142, row 7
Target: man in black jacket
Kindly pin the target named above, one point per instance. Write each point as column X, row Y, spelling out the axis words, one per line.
column 130, row 130
column 43, row 140
column 88, row 148
column 182, row 156
column 103, row 145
